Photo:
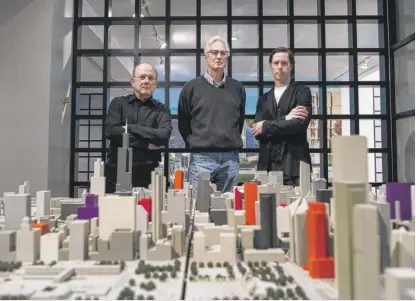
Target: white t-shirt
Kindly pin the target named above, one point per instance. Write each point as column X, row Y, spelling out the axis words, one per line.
column 278, row 92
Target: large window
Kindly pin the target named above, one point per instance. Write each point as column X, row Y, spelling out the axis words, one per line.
column 403, row 112
column 340, row 49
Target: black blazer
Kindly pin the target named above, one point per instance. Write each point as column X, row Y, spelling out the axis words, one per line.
column 288, row 136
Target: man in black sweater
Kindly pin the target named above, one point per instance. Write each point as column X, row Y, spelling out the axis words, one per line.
column 148, row 123
column 211, row 115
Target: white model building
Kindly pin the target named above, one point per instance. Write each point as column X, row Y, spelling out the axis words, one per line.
column 180, row 247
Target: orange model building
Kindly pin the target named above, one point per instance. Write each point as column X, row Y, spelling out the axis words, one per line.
column 178, row 184
column 320, row 265
column 250, row 198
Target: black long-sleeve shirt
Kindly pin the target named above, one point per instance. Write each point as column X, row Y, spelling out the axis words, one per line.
column 212, row 117
column 148, row 122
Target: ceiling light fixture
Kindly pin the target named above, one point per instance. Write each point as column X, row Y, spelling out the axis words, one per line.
column 162, row 44
column 234, row 38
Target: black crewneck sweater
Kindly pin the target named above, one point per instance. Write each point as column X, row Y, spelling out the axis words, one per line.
column 212, row 117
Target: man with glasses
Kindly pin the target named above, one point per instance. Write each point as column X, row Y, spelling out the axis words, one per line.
column 148, row 123
column 211, row 115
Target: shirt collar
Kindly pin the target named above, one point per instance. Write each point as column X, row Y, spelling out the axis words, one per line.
column 212, row 81
column 132, row 97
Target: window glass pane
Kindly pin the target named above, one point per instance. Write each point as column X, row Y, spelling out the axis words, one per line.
column 306, row 34
column 336, row 34
column 275, row 35
column 406, row 149
column 120, row 68
column 245, row 68
column 183, row 36
column 369, row 67
column 148, row 36
column 377, row 167
column 338, row 67
column 174, row 100
column 307, row 67
column 371, row 100
column 244, row 8
column 92, row 8
column 154, row 8
column 336, row 7
column 182, row 68
column 245, row 36
column 122, row 8
column 210, row 30
column 316, row 100
column 213, row 8
column 306, row 7
column 159, row 95
column 274, row 8
column 376, row 132
column 315, row 134
column 121, row 37
column 369, row 34
column 339, row 100
column 369, row 7
column 183, row 8
column 405, row 12
column 252, row 95
column 90, row 69
column 404, row 71
column 92, row 37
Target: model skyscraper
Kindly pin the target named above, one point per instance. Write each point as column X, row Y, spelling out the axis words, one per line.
column 254, row 243
column 124, row 164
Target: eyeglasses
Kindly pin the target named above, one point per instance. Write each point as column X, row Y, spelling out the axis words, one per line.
column 220, row 52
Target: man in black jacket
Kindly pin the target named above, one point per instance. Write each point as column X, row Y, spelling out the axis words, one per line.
column 281, row 120
column 148, row 123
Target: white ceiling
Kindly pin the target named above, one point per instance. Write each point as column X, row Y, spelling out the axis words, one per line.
column 244, row 36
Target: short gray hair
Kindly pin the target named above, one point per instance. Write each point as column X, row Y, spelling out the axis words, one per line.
column 216, row 39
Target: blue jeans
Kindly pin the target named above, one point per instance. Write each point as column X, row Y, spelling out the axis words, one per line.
column 224, row 168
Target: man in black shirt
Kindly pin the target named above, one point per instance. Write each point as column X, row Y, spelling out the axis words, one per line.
column 211, row 115
column 148, row 124
column 282, row 119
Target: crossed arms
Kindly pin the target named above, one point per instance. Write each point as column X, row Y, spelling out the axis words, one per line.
column 140, row 136
column 294, row 123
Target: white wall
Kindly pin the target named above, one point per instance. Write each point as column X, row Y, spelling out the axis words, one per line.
column 33, row 81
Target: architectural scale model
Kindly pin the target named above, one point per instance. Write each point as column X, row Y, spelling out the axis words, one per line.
column 263, row 241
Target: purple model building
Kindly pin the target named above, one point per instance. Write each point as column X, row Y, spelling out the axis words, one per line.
column 399, row 192
column 90, row 210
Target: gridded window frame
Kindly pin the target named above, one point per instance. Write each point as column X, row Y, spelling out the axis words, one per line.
column 321, row 116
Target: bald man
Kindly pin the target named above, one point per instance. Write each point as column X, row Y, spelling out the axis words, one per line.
column 148, row 124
